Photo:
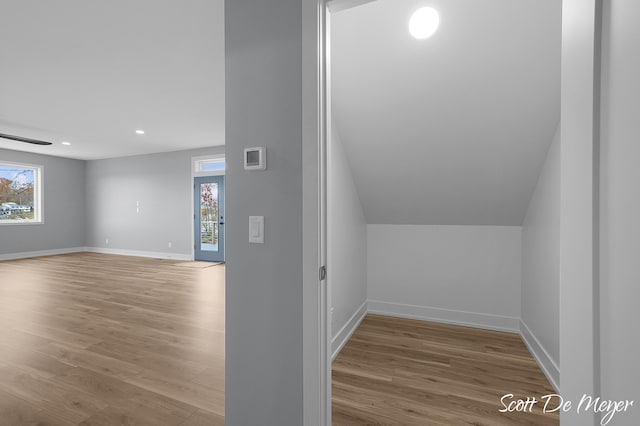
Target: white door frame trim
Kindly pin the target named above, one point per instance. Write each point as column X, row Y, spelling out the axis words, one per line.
column 315, row 131
column 195, row 174
column 316, row 347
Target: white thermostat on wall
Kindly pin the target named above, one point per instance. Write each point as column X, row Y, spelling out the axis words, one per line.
column 255, row 158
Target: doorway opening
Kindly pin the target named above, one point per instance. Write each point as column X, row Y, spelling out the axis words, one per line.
column 403, row 103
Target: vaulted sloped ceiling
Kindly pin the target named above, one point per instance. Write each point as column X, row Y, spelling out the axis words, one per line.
column 451, row 130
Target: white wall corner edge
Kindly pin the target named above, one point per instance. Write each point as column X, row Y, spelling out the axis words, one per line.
column 41, row 253
column 446, row 316
column 345, row 333
column 546, row 363
column 137, row 253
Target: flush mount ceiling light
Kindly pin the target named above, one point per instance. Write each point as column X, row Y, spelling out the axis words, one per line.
column 424, row 22
column 140, row 132
column 65, row 143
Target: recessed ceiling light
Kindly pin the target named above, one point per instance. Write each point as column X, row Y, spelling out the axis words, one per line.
column 140, row 132
column 66, row 143
column 424, row 22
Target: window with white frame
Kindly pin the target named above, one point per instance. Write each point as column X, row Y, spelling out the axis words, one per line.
column 209, row 165
column 20, row 193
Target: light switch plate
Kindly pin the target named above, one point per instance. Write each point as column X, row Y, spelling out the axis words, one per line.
column 256, row 229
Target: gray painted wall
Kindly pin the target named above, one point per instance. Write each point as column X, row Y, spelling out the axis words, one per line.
column 160, row 184
column 264, row 314
column 620, row 237
column 422, row 271
column 347, row 240
column 64, row 212
column 541, row 257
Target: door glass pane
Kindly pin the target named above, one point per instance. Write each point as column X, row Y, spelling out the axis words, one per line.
column 209, row 216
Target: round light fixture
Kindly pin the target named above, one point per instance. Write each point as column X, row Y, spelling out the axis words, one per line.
column 140, row 132
column 424, row 22
column 66, row 143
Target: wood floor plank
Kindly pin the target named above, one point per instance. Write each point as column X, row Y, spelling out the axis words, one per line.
column 99, row 340
column 203, row 397
column 404, row 372
column 203, row 418
column 15, row 411
column 134, row 414
column 94, row 339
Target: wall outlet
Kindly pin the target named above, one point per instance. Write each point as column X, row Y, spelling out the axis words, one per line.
column 106, row 241
column 170, row 244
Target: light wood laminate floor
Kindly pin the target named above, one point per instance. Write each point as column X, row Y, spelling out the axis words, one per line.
column 100, row 340
column 405, row 372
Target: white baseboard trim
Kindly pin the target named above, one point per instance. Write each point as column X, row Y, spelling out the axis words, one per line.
column 547, row 365
column 41, row 253
column 345, row 333
column 151, row 254
column 426, row 313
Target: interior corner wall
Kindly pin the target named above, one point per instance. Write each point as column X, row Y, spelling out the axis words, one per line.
column 468, row 275
column 541, row 266
column 620, row 207
column 347, row 246
column 63, row 207
column 142, row 203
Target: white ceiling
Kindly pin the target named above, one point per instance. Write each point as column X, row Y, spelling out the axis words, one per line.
column 92, row 72
column 451, row 130
column 448, row 130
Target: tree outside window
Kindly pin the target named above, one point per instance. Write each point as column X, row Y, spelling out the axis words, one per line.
column 20, row 193
column 209, row 213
